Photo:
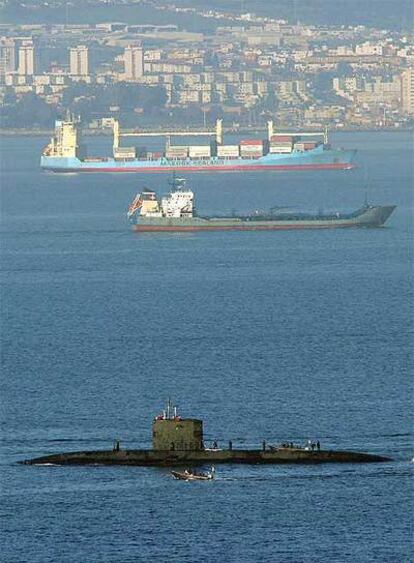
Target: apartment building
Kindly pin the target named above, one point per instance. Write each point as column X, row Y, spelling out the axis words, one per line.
column 134, row 62
column 79, row 61
column 407, row 91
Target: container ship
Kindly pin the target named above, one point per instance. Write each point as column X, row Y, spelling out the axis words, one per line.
column 175, row 212
column 281, row 151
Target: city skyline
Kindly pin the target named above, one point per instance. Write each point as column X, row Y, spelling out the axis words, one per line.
column 251, row 66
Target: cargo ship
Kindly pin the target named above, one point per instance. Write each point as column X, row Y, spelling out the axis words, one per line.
column 176, row 213
column 282, row 151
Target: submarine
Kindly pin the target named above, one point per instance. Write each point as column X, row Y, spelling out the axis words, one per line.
column 179, row 441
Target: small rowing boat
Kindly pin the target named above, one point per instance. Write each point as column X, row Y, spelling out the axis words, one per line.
column 188, row 475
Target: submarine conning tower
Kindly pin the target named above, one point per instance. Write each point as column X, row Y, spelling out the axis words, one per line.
column 173, row 433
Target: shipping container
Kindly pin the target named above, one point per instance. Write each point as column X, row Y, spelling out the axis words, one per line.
column 305, row 146
column 182, row 151
column 177, row 148
column 125, row 149
column 251, row 154
column 176, row 155
column 199, row 147
column 177, row 151
column 281, row 138
column 228, row 150
column 280, row 149
column 251, row 142
column 124, row 156
column 228, row 153
column 251, row 147
column 280, row 144
column 199, row 151
column 125, row 152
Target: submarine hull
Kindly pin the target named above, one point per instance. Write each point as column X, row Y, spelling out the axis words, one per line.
column 176, row 458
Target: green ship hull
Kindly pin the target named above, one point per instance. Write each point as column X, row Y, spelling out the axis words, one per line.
column 368, row 216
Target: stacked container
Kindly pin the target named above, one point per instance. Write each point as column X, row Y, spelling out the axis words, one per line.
column 228, row 151
column 125, row 153
column 305, row 145
column 251, row 148
column 281, row 144
column 199, row 151
column 281, row 138
column 177, row 151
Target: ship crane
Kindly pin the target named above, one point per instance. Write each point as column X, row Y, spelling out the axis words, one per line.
column 271, row 132
column 217, row 132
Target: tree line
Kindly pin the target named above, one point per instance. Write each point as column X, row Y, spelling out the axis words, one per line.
column 84, row 100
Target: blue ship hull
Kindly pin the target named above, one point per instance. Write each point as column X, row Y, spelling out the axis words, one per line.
column 320, row 158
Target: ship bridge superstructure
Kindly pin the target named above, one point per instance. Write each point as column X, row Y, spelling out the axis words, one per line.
column 65, row 142
column 179, row 203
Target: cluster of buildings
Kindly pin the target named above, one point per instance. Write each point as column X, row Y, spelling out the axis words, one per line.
column 299, row 75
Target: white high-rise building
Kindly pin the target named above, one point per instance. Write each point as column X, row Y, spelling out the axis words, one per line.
column 79, row 61
column 27, row 65
column 7, row 55
column 134, row 62
column 407, row 91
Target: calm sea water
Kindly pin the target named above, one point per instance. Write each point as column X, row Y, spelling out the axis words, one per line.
column 283, row 335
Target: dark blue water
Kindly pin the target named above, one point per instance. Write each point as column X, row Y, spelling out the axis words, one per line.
column 283, row 335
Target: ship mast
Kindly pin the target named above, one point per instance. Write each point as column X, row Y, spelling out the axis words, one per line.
column 171, row 410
